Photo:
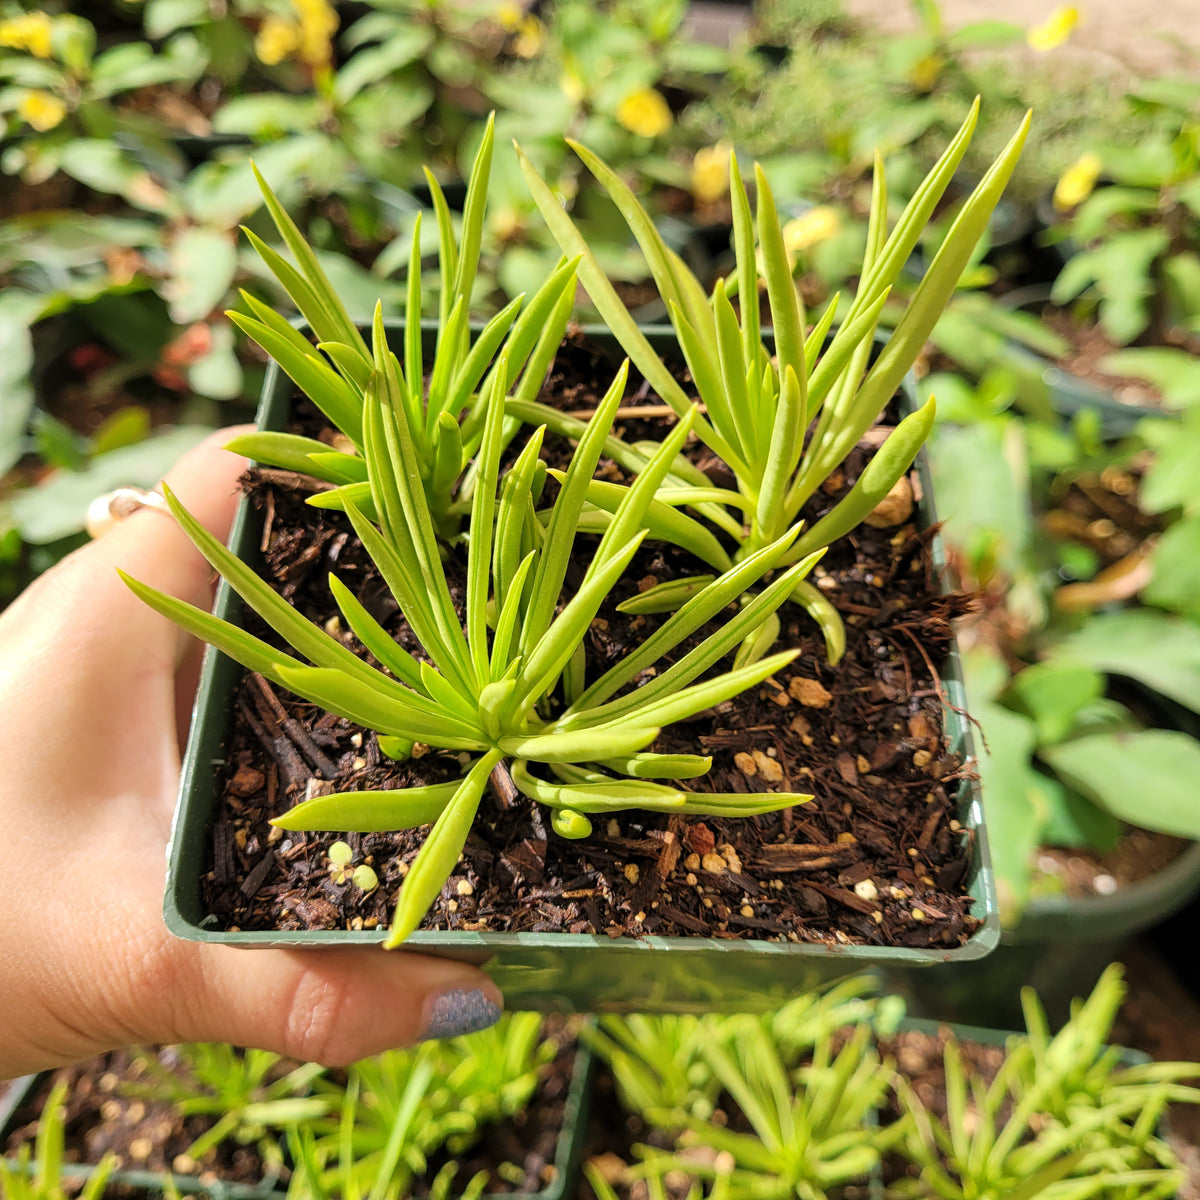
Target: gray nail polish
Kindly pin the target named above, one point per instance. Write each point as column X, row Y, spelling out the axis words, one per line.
column 460, row 1011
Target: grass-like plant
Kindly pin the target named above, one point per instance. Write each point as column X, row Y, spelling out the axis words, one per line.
column 444, row 406
column 39, row 1176
column 1063, row 1118
column 810, row 1107
column 398, row 1109
column 505, row 682
column 249, row 1094
column 785, row 421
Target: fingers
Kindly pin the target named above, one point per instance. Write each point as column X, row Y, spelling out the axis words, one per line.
column 329, row 1006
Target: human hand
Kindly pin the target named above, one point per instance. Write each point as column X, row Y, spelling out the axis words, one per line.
column 95, row 695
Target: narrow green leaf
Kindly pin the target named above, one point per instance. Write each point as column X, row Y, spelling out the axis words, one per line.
column 735, row 407
column 581, row 746
column 474, row 211
column 660, row 766
column 878, row 478
column 630, row 513
column 787, row 440
column 664, row 522
column 349, row 363
column 593, row 277
column 438, row 855
column 747, row 265
column 511, row 510
column 312, row 375
column 787, row 310
column 545, row 661
column 613, row 795
column 447, row 247
column 338, row 467
column 564, row 517
column 309, row 639
column 686, row 702
column 676, row 284
column 483, row 510
column 342, row 328
column 694, row 614
column 414, row 356
column 448, row 455
column 666, row 597
column 374, row 637
column 472, row 370
column 287, row 450
column 242, row 647
column 506, row 624
column 828, row 619
column 370, row 811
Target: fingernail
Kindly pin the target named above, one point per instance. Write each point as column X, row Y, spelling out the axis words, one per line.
column 459, row 1011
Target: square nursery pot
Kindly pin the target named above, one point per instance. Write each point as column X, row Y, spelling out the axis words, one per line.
column 568, row 1155
column 561, row 971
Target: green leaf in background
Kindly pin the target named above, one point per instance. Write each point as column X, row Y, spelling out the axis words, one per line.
column 1072, row 820
column 218, row 374
column 126, row 427
column 1176, row 581
column 203, row 263
column 1173, row 479
column 981, row 479
column 1054, row 692
column 16, row 361
column 163, row 17
column 1160, row 651
column 1146, row 778
column 56, row 508
column 1010, row 797
column 1175, row 372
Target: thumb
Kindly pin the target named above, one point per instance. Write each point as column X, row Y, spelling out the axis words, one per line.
column 332, row 1006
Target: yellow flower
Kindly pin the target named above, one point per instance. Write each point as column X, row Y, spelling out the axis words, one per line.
column 1077, row 181
column 318, row 24
column 1055, row 29
column 710, row 172
column 531, row 33
column 645, row 113
column 573, row 87
column 41, row 110
column 30, row 31
column 926, row 72
column 509, row 16
column 812, row 227
column 276, row 40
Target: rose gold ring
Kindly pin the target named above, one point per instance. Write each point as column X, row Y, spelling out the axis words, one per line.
column 108, row 510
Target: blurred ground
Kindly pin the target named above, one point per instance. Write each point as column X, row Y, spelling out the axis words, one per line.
column 1159, row 37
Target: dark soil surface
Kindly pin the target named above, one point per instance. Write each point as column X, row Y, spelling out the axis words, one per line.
column 878, row 856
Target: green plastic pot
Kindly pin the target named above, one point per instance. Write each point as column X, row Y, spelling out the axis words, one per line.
column 1060, row 947
column 559, row 972
column 23, row 1091
column 568, row 1155
column 1064, row 393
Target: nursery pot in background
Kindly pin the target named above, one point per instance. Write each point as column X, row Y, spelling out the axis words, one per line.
column 1060, row 947
column 566, row 1162
column 559, row 971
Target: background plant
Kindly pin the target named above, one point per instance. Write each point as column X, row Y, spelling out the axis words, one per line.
column 250, row 1095
column 1063, row 1116
column 38, row 1175
column 787, row 1110
column 758, row 405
